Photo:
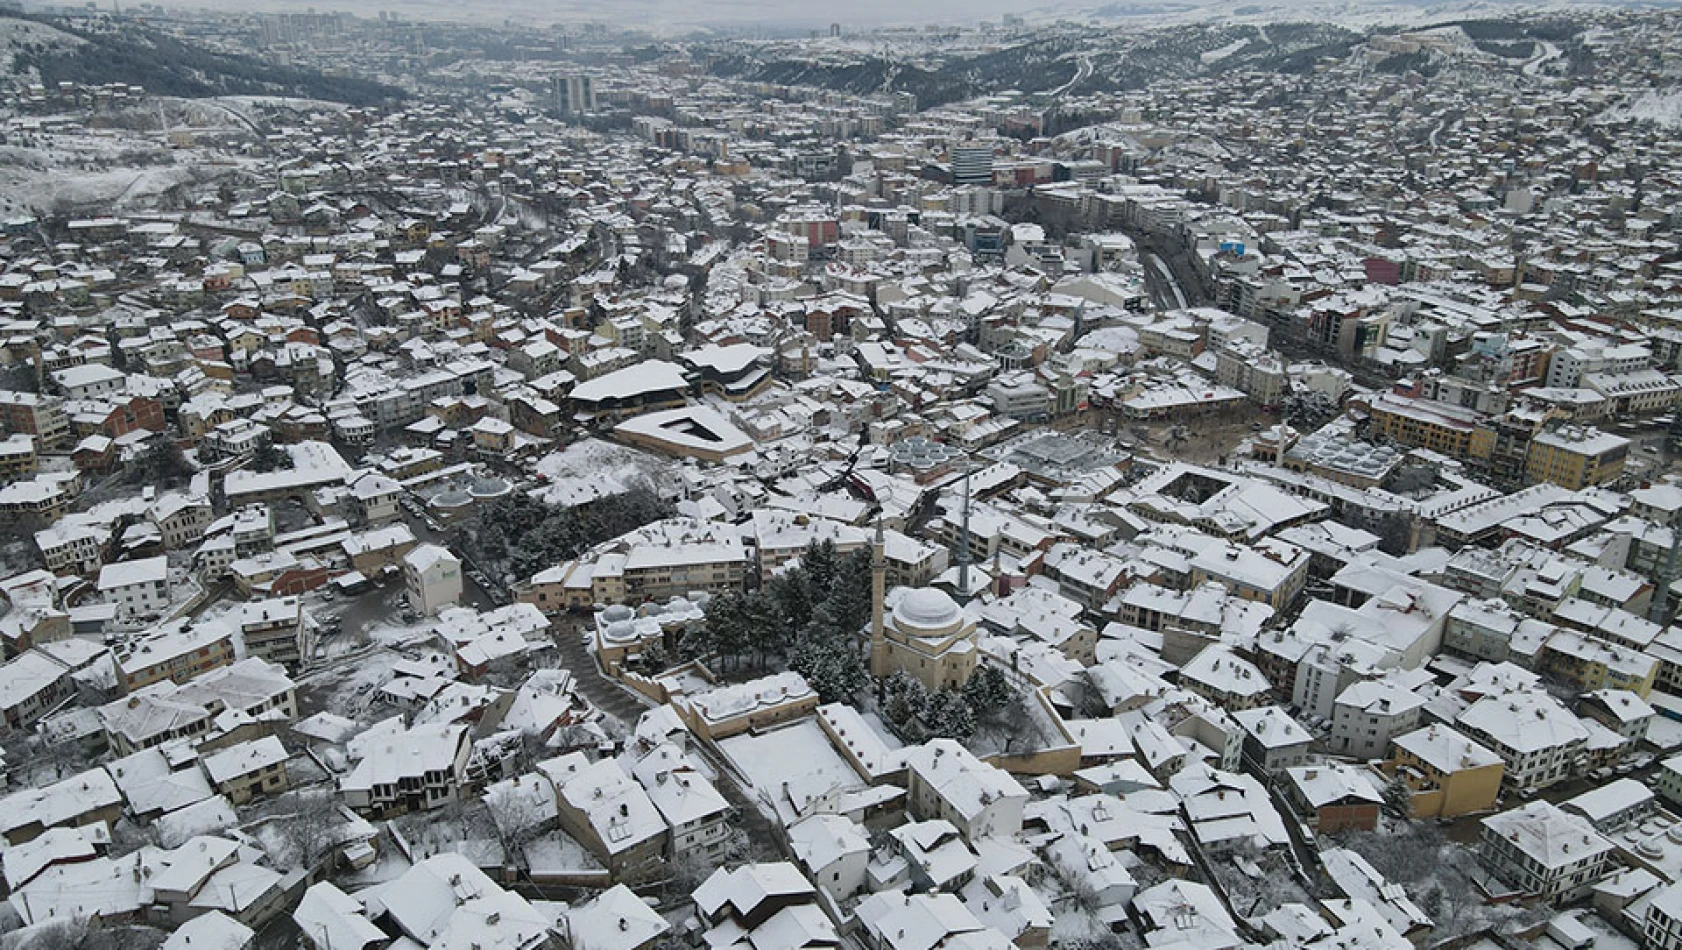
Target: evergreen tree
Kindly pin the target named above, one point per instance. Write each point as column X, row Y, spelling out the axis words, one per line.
column 829, row 658
column 819, row 564
column 905, row 698
column 726, row 626
column 848, row 600
column 947, row 714
column 791, row 598
column 988, row 693
column 767, row 629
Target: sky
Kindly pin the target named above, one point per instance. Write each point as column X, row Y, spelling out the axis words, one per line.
column 667, row 16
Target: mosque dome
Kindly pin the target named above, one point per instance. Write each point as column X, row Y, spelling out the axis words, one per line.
column 926, row 610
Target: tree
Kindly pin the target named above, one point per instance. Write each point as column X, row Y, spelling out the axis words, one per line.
column 828, row 657
column 819, row 564
column 161, row 464
column 905, row 698
column 849, row 597
column 790, row 596
column 988, row 693
column 311, row 824
column 270, row 458
column 1398, row 798
column 726, row 626
column 947, row 714
column 767, row 630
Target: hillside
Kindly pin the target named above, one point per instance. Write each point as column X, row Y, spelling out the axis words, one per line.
column 1067, row 64
column 47, row 50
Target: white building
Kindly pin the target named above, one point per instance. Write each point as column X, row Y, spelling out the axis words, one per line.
column 1369, row 713
column 136, row 588
column 1540, row 742
column 1544, row 851
column 1662, row 929
column 946, row 780
column 834, row 850
column 433, row 577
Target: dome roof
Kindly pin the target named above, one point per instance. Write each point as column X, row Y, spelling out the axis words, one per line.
column 926, row 609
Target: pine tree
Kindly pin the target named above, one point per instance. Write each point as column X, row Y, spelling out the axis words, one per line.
column 988, row 693
column 833, row 669
column 791, row 598
column 848, row 600
column 767, row 629
column 727, row 626
column 906, row 697
column 819, row 564
column 947, row 714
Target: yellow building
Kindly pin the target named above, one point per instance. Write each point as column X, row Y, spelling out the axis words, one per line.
column 1591, row 664
column 1449, row 774
column 1425, row 424
column 1576, row 457
column 928, row 637
column 17, row 457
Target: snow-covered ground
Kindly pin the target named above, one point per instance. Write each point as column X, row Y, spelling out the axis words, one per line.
column 1216, row 55
column 592, row 469
column 1661, row 106
column 16, row 34
column 90, row 173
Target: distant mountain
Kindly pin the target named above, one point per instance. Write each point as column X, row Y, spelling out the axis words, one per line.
column 51, row 50
column 1067, row 64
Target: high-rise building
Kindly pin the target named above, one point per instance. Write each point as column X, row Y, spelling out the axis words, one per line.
column 575, row 94
column 972, row 164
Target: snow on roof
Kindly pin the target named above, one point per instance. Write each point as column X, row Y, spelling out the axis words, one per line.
column 649, row 376
column 725, row 359
column 446, row 903
column 743, row 889
column 617, row 809
column 966, row 783
column 616, row 920
column 25, row 860
column 680, row 791
column 693, row 428
column 819, row 840
column 1606, row 801
column 424, row 557
column 211, row 931
column 901, row 921
column 244, row 759
column 728, row 702
column 331, row 918
column 1332, row 782
column 1523, row 722
column 1446, row 750
column 26, row 677
column 1549, row 836
column 386, row 753
column 127, row 573
column 1272, row 727
column 59, row 803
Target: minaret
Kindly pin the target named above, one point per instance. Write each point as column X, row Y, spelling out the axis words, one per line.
column 963, row 544
column 878, row 593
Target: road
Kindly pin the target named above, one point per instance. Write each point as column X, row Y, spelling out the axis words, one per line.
column 1545, row 53
column 570, row 635
column 1165, row 289
column 1083, row 69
